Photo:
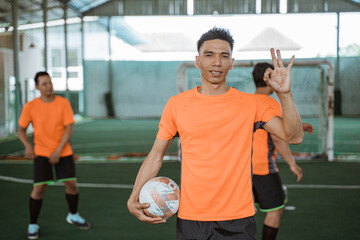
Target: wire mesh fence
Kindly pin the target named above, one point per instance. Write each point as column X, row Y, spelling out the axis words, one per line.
column 22, row 54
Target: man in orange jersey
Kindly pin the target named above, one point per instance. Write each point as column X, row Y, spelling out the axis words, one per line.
column 53, row 122
column 215, row 124
column 268, row 191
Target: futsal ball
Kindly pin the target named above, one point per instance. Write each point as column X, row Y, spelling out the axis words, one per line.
column 163, row 195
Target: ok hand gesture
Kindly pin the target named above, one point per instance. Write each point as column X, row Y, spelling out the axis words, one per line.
column 279, row 79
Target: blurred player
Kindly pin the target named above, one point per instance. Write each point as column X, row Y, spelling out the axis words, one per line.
column 53, row 122
column 215, row 124
column 268, row 191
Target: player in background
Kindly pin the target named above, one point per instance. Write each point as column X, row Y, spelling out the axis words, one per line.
column 268, row 190
column 53, row 122
column 215, row 124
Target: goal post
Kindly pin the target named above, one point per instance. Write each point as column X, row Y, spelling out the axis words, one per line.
column 313, row 90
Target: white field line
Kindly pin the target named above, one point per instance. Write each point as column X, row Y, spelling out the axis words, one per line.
column 322, row 186
column 89, row 185
column 128, row 186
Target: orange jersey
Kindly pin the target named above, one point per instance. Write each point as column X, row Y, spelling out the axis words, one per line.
column 216, row 140
column 264, row 151
column 49, row 121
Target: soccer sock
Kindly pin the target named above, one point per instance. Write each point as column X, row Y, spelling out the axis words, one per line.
column 35, row 207
column 269, row 233
column 72, row 202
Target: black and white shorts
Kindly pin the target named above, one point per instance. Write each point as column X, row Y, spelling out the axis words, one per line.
column 268, row 192
column 43, row 170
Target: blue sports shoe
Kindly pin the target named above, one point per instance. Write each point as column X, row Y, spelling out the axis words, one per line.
column 78, row 221
column 33, row 231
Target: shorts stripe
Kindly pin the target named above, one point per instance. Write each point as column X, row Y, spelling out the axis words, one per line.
column 270, row 209
column 51, row 182
column 67, row 179
column 44, row 182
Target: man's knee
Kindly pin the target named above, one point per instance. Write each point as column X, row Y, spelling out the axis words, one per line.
column 71, row 187
column 38, row 191
column 276, row 213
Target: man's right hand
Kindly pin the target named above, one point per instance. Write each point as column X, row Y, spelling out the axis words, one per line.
column 137, row 209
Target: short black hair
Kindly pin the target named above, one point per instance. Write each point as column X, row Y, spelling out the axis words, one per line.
column 39, row 74
column 216, row 33
column 258, row 73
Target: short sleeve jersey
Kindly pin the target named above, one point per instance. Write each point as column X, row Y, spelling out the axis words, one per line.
column 264, row 151
column 49, row 121
column 216, row 141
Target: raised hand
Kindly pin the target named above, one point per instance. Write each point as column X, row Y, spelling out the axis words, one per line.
column 279, row 79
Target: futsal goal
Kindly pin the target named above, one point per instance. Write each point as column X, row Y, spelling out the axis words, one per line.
column 312, row 85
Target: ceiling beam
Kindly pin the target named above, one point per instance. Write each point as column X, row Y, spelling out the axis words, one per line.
column 68, row 3
column 8, row 14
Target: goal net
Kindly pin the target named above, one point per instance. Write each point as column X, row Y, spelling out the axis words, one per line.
column 312, row 87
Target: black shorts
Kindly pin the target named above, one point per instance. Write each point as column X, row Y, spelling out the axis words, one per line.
column 268, row 192
column 43, row 170
column 239, row 229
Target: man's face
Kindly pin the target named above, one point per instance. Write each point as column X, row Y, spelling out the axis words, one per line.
column 45, row 86
column 214, row 61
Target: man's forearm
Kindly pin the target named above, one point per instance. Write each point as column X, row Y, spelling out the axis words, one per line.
column 147, row 171
column 23, row 137
column 283, row 149
column 66, row 137
column 150, row 166
column 291, row 119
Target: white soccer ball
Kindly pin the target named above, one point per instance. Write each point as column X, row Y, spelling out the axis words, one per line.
column 163, row 195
